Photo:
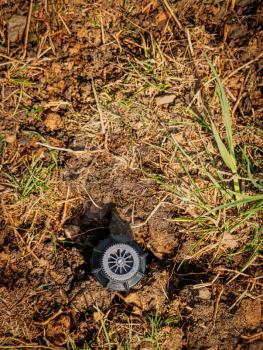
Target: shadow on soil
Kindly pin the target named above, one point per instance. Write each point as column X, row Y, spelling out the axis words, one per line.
column 90, row 224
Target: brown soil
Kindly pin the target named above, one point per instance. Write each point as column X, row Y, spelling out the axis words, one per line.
column 78, row 50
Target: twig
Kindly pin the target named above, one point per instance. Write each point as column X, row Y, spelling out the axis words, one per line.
column 216, row 308
column 168, row 8
column 232, row 5
column 253, row 336
column 151, row 214
column 102, row 30
column 63, row 219
column 240, row 94
column 242, row 295
column 65, row 25
column 250, row 262
column 241, row 67
column 189, row 41
column 52, row 317
column 27, row 28
column 12, row 59
column 98, row 107
column 18, row 103
column 69, row 150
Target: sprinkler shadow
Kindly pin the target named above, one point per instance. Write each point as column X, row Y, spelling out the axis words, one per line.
column 90, row 224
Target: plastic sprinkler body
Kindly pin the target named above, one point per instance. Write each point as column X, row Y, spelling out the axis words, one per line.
column 118, row 264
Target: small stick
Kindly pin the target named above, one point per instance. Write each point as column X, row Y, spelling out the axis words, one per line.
column 152, row 213
column 62, row 20
column 240, row 95
column 189, row 41
column 64, row 215
column 168, row 8
column 232, row 6
column 18, row 103
column 61, row 148
column 102, row 30
column 98, row 107
column 253, row 337
column 52, row 317
column 27, row 28
column 241, row 67
column 12, row 59
column 216, row 308
column 240, row 297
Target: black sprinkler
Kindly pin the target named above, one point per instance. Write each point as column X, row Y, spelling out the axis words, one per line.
column 118, row 264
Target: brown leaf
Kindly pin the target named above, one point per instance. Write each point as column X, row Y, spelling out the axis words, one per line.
column 165, row 99
column 151, row 6
column 161, row 17
column 229, row 241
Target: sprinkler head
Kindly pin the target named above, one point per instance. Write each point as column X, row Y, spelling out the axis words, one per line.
column 117, row 264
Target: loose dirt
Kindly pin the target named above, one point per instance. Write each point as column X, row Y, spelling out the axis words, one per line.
column 93, row 104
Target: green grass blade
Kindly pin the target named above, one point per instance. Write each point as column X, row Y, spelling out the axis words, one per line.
column 228, row 155
column 225, row 108
column 241, row 201
column 228, row 159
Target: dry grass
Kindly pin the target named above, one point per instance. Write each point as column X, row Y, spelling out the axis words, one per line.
column 173, row 150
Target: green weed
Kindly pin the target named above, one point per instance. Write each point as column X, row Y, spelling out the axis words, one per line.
column 33, row 180
column 105, row 330
column 153, row 336
column 20, row 77
column 72, row 346
column 227, row 153
column 35, row 111
column 216, row 205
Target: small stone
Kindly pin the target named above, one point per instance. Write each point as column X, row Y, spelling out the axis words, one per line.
column 165, row 99
column 54, row 122
column 16, row 27
column 204, row 293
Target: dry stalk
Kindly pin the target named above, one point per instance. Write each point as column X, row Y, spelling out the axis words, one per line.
column 27, row 28
column 98, row 107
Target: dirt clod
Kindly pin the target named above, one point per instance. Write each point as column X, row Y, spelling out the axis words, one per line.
column 204, row 293
column 53, row 121
column 16, row 27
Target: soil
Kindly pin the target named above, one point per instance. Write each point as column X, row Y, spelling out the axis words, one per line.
column 92, row 182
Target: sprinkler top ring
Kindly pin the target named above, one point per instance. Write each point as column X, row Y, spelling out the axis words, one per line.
column 117, row 264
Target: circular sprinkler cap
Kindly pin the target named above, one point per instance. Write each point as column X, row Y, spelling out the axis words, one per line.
column 118, row 265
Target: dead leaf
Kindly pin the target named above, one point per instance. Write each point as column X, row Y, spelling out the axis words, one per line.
column 75, row 49
column 10, row 138
column 97, row 316
column 161, row 17
column 16, row 26
column 58, row 330
column 179, row 137
column 151, row 6
column 229, row 241
column 165, row 99
column 54, row 122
